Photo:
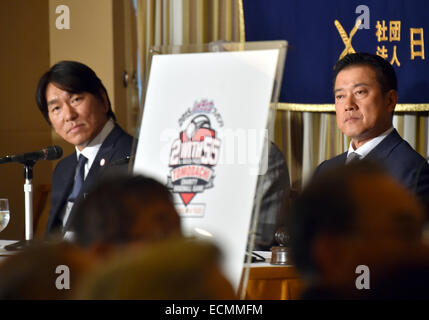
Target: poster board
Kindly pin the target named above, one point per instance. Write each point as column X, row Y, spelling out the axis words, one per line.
column 202, row 134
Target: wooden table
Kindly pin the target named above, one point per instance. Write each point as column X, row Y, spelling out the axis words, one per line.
column 273, row 282
column 266, row 281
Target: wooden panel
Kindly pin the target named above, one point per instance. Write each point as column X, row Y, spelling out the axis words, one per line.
column 273, row 283
column 24, row 34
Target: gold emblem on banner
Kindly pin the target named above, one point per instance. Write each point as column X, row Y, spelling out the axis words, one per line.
column 347, row 40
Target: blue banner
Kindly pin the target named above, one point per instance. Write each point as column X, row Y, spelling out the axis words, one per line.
column 319, row 32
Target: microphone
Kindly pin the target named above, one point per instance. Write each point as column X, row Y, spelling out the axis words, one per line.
column 49, row 153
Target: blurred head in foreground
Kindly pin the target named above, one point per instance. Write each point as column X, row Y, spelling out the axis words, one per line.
column 350, row 216
column 124, row 210
column 172, row 269
column 43, row 271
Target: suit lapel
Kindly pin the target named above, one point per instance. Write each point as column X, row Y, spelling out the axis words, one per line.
column 66, row 181
column 68, row 178
column 383, row 149
column 342, row 158
column 105, row 153
column 339, row 160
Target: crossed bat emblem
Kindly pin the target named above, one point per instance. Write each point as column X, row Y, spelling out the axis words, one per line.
column 347, row 40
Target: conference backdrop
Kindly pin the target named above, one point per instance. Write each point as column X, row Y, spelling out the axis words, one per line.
column 320, row 32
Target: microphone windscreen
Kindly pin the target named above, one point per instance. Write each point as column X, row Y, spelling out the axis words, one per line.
column 54, row 152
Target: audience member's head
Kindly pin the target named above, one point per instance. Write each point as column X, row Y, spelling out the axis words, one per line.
column 179, row 269
column 350, row 216
column 43, row 271
column 123, row 210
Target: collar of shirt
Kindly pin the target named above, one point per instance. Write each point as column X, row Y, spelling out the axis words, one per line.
column 366, row 148
column 91, row 149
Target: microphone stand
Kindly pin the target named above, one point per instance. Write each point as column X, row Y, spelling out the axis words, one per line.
column 28, row 192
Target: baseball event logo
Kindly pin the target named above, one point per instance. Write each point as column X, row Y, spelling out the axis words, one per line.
column 194, row 155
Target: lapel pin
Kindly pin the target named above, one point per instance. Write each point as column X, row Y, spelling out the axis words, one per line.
column 102, row 162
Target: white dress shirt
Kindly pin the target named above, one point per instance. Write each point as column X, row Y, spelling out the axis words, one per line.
column 366, row 148
column 91, row 149
column 90, row 152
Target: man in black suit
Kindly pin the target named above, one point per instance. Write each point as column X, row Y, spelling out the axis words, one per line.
column 365, row 90
column 75, row 103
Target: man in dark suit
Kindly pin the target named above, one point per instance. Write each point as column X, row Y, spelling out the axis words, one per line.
column 274, row 201
column 75, row 103
column 365, row 90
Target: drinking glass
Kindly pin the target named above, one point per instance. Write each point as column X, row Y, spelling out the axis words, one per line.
column 4, row 213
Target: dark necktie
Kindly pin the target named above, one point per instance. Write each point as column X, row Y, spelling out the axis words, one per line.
column 352, row 157
column 79, row 178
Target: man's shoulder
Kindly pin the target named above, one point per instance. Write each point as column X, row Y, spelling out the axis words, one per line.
column 404, row 163
column 121, row 131
column 126, row 138
column 62, row 169
column 394, row 147
column 120, row 136
column 335, row 161
column 66, row 161
column 397, row 154
column 338, row 159
column 116, row 147
column 406, row 151
column 407, row 164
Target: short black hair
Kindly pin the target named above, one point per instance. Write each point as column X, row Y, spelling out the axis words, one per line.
column 73, row 77
column 384, row 71
column 113, row 207
column 326, row 206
